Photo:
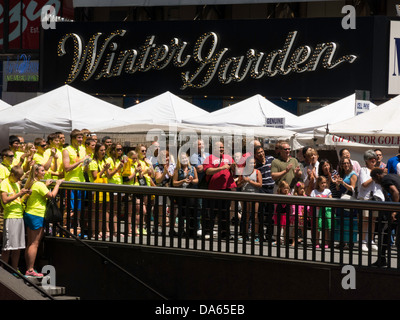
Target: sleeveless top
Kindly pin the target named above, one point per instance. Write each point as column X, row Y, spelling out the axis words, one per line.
column 248, row 187
column 77, row 173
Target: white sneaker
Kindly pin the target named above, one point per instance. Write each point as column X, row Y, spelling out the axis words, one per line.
column 199, row 232
column 374, row 246
column 364, row 247
column 207, row 236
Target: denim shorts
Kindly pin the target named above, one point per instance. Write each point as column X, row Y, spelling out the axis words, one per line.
column 33, row 222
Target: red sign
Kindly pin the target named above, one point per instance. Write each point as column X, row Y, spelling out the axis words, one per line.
column 25, row 19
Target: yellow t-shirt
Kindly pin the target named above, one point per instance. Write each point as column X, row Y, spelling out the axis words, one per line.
column 53, row 168
column 117, row 177
column 36, row 204
column 96, row 166
column 4, row 171
column 38, row 158
column 17, row 158
column 144, row 166
column 13, row 209
column 131, row 170
column 77, row 173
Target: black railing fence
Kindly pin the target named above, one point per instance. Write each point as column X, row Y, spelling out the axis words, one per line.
column 303, row 228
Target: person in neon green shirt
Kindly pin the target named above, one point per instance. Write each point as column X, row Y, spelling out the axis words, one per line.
column 53, row 158
column 74, row 157
column 40, row 145
column 61, row 140
column 34, row 213
column 130, row 178
column 98, row 174
column 7, row 156
column 14, row 145
column 11, row 200
column 90, row 145
column 116, row 162
column 114, row 172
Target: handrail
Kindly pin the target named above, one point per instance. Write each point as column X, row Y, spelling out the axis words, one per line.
column 109, row 260
column 238, row 196
column 42, row 291
column 340, row 234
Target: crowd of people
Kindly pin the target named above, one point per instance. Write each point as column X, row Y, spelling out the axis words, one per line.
column 28, row 169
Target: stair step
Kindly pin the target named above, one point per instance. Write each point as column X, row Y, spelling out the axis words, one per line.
column 66, row 298
column 55, row 291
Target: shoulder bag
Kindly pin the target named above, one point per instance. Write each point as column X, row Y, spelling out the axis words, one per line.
column 53, row 213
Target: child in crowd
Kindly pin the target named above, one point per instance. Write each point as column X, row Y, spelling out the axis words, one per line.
column 283, row 212
column 324, row 216
column 299, row 190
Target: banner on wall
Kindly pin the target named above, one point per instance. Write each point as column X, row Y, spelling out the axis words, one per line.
column 24, row 21
column 362, row 140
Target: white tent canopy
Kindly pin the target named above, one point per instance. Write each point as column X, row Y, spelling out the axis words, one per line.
column 335, row 112
column 62, row 109
column 376, row 128
column 4, row 105
column 275, row 133
column 252, row 112
column 163, row 109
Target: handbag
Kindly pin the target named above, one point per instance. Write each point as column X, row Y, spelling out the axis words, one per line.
column 53, row 213
column 101, row 180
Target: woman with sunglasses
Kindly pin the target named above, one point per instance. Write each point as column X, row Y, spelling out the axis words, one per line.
column 7, row 156
column 98, row 174
column 146, row 168
column 114, row 173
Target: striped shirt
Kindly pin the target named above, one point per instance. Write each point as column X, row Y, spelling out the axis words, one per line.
column 265, row 169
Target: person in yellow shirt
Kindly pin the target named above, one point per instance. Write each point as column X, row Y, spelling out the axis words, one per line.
column 11, row 201
column 61, row 140
column 29, row 151
column 52, row 158
column 98, row 174
column 40, row 145
column 90, row 145
column 129, row 177
column 34, row 214
column 73, row 158
column 7, row 156
column 116, row 162
column 14, row 145
column 114, row 172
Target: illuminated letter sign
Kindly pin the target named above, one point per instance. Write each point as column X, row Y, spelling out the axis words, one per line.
column 102, row 58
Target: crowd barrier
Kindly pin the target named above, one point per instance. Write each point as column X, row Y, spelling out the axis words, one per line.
column 328, row 230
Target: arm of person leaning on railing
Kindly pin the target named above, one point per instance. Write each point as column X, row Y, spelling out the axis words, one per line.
column 54, row 192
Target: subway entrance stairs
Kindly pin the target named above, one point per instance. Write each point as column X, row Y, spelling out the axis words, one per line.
column 14, row 286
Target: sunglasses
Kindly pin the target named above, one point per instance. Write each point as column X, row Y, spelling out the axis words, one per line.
column 119, row 149
column 286, row 149
column 10, row 156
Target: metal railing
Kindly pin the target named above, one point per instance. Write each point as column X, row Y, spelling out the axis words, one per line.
column 232, row 222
